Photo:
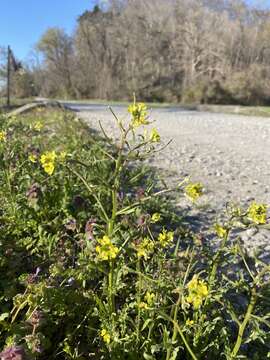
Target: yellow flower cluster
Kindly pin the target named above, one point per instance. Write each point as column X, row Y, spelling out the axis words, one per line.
column 155, row 218
column 189, row 322
column 145, row 248
column 193, row 191
column 106, row 250
column 154, row 136
column 149, row 298
column 48, row 161
column 149, row 301
column 220, row 231
column 165, row 238
column 138, row 112
column 3, row 136
column 197, row 292
column 38, row 126
column 105, row 336
column 257, row 213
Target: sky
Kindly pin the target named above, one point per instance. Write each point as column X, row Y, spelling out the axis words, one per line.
column 22, row 22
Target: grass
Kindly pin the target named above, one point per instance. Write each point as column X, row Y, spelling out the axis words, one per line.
column 261, row 111
column 14, row 103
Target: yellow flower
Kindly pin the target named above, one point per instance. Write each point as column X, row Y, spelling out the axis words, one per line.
column 106, row 336
column 3, row 136
column 149, row 301
column 155, row 217
column 149, row 298
column 189, row 322
column 165, row 238
column 32, row 158
column 142, row 305
column 257, row 213
column 47, row 157
column 38, row 126
column 220, row 231
column 49, row 167
column 47, row 161
column 197, row 292
column 145, row 248
column 139, row 114
column 154, row 136
column 106, row 250
column 193, row 191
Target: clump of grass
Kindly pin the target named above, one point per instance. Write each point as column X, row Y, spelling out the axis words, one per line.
column 95, row 262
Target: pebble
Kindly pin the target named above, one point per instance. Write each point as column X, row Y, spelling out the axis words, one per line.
column 230, row 147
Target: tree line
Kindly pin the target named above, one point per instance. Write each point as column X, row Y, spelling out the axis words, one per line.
column 207, row 51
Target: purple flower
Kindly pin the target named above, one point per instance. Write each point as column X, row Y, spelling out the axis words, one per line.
column 36, row 318
column 140, row 193
column 33, row 278
column 33, row 193
column 13, row 353
column 89, row 229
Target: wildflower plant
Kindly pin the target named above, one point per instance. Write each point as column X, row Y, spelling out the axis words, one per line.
column 106, row 250
column 96, row 261
column 193, row 191
column 257, row 213
column 139, row 115
column 47, row 161
column 3, row 136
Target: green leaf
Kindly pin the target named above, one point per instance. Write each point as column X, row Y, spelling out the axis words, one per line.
column 4, row 316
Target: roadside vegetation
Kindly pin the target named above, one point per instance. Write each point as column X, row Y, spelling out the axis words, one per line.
column 262, row 111
column 97, row 263
column 14, row 103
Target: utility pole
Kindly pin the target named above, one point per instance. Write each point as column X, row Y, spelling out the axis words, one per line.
column 8, row 78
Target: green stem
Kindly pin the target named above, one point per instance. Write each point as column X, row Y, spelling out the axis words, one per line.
column 175, row 315
column 20, row 307
column 178, row 329
column 216, row 262
column 245, row 322
column 114, row 210
column 138, row 268
column 175, row 330
column 11, row 196
column 111, row 223
column 111, row 292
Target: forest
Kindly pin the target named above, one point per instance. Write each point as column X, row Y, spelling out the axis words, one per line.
column 189, row 51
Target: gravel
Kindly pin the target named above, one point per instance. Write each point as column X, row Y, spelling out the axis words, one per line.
column 229, row 154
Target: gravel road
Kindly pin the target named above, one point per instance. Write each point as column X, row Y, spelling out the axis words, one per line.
column 229, row 154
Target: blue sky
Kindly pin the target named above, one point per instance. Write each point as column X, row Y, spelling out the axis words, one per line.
column 22, row 22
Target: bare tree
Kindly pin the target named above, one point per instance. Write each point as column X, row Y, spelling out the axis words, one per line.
column 57, row 49
column 193, row 50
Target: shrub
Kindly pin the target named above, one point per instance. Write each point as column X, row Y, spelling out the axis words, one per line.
column 208, row 92
column 96, row 262
column 249, row 87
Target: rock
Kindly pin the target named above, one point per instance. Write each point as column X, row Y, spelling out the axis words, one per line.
column 252, row 231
